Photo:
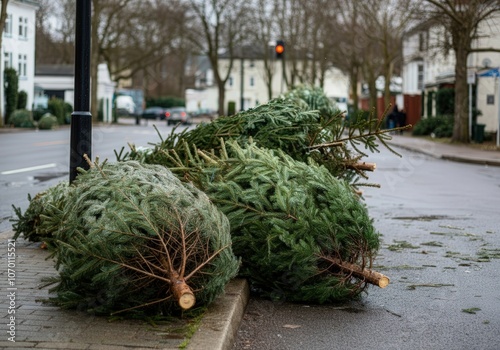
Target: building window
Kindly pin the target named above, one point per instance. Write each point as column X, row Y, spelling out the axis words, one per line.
column 420, row 77
column 23, row 27
column 230, row 81
column 252, row 81
column 252, row 63
column 7, row 59
column 421, row 42
column 8, row 26
column 22, row 65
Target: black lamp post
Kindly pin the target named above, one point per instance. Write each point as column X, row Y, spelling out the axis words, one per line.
column 81, row 119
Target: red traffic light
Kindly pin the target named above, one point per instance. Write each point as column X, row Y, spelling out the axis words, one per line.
column 279, row 48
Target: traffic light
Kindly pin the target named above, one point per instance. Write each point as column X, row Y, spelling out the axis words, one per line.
column 279, row 49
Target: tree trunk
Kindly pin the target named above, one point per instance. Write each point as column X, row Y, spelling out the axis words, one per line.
column 222, row 96
column 461, row 126
column 367, row 275
column 181, row 291
column 353, row 81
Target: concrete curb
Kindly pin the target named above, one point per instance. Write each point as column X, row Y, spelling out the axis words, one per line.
column 456, row 156
column 220, row 325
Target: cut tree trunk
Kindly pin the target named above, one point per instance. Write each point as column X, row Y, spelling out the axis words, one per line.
column 369, row 276
column 182, row 292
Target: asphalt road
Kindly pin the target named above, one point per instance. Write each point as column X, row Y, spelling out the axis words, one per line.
column 31, row 161
column 440, row 228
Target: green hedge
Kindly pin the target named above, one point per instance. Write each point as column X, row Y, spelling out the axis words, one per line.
column 21, row 118
column 48, row 122
column 11, row 82
column 165, row 102
column 22, row 99
column 439, row 126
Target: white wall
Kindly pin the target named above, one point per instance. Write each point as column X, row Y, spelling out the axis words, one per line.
column 255, row 91
column 20, row 45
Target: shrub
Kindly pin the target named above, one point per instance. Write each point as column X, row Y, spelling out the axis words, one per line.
column 445, row 101
column 165, row 102
column 231, row 108
column 68, row 109
column 21, row 118
column 11, row 86
column 56, row 108
column 440, row 126
column 22, row 99
column 48, row 122
column 38, row 113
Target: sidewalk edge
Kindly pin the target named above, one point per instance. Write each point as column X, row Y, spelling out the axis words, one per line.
column 219, row 327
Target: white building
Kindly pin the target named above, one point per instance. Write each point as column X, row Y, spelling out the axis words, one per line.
column 59, row 81
column 254, row 91
column 427, row 68
column 18, row 46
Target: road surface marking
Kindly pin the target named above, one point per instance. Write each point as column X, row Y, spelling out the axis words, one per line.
column 50, row 143
column 38, row 167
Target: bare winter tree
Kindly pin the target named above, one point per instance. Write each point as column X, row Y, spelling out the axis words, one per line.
column 262, row 34
column 317, row 39
column 46, row 46
column 351, row 50
column 219, row 28
column 385, row 23
column 461, row 19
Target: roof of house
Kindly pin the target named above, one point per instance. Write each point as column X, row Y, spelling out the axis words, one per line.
column 55, row 69
column 28, row 2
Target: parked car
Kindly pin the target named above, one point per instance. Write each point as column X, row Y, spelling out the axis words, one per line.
column 177, row 115
column 154, row 113
column 125, row 105
column 203, row 113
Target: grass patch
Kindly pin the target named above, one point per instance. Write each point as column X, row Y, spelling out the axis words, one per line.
column 400, row 245
column 429, row 285
column 192, row 327
column 471, row 310
column 432, row 244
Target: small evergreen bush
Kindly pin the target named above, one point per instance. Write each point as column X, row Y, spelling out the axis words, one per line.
column 231, row 108
column 440, row 126
column 22, row 99
column 48, row 122
column 21, row 118
column 68, row 110
column 39, row 112
column 445, row 101
column 165, row 102
column 56, row 108
column 11, row 81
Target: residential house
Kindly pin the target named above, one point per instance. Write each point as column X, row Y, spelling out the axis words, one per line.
column 427, row 67
column 18, row 46
column 246, row 86
column 59, row 81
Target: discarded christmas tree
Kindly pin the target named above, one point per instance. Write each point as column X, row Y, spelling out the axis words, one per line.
column 132, row 237
column 302, row 234
column 303, row 123
column 288, row 186
column 42, row 208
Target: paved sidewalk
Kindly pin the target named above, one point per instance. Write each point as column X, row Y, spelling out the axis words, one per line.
column 458, row 153
column 40, row 326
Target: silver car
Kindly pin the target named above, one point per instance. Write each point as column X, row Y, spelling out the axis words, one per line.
column 177, row 115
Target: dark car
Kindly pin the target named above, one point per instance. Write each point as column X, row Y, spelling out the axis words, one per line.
column 154, row 113
column 177, row 115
